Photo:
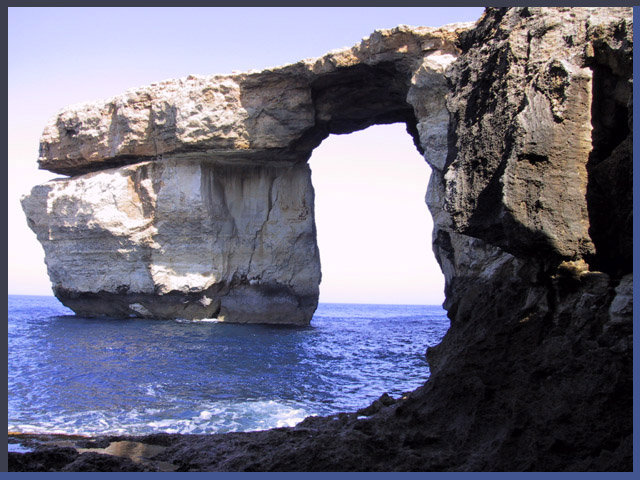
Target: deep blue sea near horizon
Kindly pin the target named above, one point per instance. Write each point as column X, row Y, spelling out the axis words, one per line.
column 73, row 375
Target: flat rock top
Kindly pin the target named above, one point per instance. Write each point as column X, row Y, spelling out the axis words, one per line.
column 237, row 116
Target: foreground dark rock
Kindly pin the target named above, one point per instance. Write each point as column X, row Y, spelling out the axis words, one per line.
column 532, row 216
column 67, row 459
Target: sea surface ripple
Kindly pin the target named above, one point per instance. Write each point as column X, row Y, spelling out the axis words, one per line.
column 75, row 375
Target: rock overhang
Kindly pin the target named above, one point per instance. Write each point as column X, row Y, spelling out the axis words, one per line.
column 271, row 112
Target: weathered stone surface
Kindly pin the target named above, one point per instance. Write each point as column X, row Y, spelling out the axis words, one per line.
column 215, row 217
column 67, row 459
column 517, row 173
column 278, row 114
column 531, row 198
column 538, row 356
column 184, row 239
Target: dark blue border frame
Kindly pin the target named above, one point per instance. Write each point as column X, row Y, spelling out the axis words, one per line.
column 418, row 3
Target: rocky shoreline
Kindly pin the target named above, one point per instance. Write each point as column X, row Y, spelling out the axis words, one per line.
column 163, row 452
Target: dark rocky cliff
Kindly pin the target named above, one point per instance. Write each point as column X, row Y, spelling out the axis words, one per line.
column 535, row 372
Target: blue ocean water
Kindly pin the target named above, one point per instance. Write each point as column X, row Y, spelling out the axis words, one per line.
column 74, row 375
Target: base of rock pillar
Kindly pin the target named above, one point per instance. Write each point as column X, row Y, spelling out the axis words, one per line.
column 273, row 304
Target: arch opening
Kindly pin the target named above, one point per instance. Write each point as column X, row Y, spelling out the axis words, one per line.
column 373, row 225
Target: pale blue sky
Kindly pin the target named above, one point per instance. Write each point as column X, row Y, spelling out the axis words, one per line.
column 374, row 235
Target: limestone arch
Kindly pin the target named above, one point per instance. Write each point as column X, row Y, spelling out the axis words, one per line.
column 219, row 168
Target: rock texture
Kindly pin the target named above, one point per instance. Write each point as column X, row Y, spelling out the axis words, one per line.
column 182, row 239
column 271, row 116
column 192, row 198
column 526, row 121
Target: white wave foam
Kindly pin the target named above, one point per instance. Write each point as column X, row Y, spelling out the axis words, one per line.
column 212, row 417
column 205, row 415
column 197, row 320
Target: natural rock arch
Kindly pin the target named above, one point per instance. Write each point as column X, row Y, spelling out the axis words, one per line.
column 535, row 372
column 211, row 212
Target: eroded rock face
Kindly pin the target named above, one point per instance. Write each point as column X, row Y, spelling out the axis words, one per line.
column 198, row 201
column 517, row 172
column 274, row 115
column 537, row 346
column 526, row 122
column 185, row 239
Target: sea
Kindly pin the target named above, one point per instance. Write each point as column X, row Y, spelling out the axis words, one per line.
column 74, row 375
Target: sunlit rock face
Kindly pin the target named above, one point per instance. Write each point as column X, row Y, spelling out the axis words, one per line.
column 275, row 115
column 185, row 239
column 192, row 198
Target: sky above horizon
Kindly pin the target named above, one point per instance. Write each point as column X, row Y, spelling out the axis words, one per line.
column 374, row 229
